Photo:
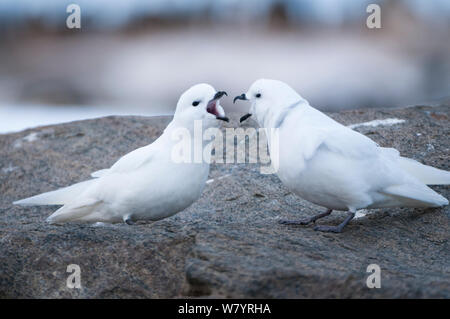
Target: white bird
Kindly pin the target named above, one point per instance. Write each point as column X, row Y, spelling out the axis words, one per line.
column 147, row 183
column 334, row 166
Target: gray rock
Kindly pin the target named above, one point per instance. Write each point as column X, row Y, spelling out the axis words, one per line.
column 228, row 243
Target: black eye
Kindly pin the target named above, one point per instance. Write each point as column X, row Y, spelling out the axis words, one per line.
column 258, row 95
column 195, row 103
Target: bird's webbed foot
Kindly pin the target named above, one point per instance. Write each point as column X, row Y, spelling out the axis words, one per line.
column 306, row 221
column 295, row 222
column 335, row 229
column 328, row 229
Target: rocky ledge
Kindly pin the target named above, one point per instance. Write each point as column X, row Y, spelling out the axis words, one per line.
column 228, row 243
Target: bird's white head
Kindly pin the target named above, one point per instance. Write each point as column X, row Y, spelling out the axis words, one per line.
column 201, row 102
column 268, row 98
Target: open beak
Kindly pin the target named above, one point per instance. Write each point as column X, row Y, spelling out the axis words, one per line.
column 212, row 106
column 244, row 117
column 244, row 98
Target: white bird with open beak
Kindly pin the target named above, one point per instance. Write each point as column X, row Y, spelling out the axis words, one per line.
column 333, row 166
column 145, row 184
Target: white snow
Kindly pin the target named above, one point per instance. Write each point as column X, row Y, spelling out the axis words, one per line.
column 375, row 123
column 209, row 181
column 361, row 213
column 33, row 136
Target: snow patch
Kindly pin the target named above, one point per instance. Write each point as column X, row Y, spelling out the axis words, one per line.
column 30, row 138
column 375, row 123
column 209, row 181
column 361, row 213
column 33, row 136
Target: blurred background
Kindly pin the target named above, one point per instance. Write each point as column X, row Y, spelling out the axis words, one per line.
column 138, row 56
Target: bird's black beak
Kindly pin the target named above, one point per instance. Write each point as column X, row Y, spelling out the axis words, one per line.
column 243, row 118
column 223, row 118
column 240, row 97
column 219, row 94
column 244, row 98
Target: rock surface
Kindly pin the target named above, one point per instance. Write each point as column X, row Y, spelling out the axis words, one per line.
column 227, row 244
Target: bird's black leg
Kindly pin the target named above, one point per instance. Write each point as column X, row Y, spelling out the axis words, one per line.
column 338, row 228
column 306, row 221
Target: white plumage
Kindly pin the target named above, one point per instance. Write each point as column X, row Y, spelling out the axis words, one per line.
column 333, row 166
column 146, row 183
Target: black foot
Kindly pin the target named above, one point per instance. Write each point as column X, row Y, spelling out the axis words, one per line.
column 295, row 222
column 328, row 229
column 129, row 222
column 307, row 220
column 338, row 228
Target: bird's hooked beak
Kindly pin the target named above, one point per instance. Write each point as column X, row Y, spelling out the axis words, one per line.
column 242, row 97
column 212, row 106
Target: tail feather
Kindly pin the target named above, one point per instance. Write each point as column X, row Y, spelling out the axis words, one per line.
column 57, row 197
column 74, row 211
column 100, row 172
column 413, row 195
column 426, row 174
